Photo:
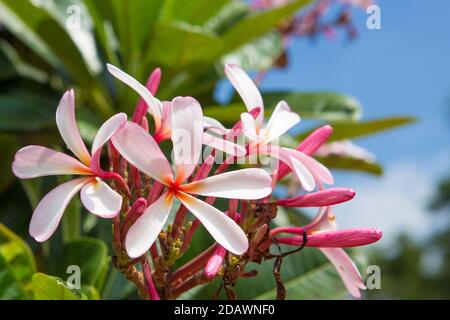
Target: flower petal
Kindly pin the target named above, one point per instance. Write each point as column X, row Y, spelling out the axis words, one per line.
column 214, row 125
column 67, row 126
column 221, row 227
column 248, row 184
column 315, row 167
column 346, row 270
column 144, row 93
column 304, row 176
column 223, row 145
column 146, row 228
column 100, row 199
column 249, row 126
column 107, row 130
column 281, row 121
column 50, row 209
column 37, row 161
column 246, row 89
column 139, row 148
column 187, row 134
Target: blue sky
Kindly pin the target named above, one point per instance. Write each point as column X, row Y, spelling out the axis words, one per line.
column 401, row 69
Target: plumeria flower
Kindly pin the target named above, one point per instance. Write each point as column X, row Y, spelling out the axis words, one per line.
column 140, row 149
column 261, row 136
column 37, row 161
column 323, row 234
column 161, row 111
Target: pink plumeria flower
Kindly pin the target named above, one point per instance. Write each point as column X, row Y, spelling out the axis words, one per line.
column 139, row 148
column 307, row 169
column 322, row 233
column 36, row 161
column 161, row 112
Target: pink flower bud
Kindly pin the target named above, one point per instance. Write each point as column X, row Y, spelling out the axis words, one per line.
column 215, row 262
column 322, row 198
column 337, row 238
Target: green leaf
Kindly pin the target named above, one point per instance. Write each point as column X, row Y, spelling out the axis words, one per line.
column 16, row 263
column 7, row 67
column 10, row 287
column 257, row 24
column 257, row 55
column 195, row 12
column 90, row 292
column 320, row 282
column 27, row 111
column 133, row 22
column 99, row 18
column 350, row 163
column 351, row 130
column 71, row 221
column 39, row 22
column 9, row 144
column 188, row 44
column 318, row 105
column 327, row 106
column 228, row 114
column 91, row 255
column 51, row 288
column 306, row 275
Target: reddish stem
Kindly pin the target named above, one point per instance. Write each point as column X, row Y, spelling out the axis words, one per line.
column 153, row 293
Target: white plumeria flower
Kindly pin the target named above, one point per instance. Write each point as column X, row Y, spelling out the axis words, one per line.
column 139, row 148
column 161, row 111
column 36, row 161
column 307, row 169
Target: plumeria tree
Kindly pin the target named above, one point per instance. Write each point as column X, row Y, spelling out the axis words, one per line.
column 189, row 199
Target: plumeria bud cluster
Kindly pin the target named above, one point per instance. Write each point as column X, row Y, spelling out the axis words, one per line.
column 151, row 191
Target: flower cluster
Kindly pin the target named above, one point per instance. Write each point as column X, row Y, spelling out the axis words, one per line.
column 150, row 187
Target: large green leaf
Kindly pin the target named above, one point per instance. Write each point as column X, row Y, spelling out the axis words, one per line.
column 195, row 12
column 257, row 55
column 351, row 130
column 306, row 275
column 27, row 111
column 39, row 22
column 17, row 265
column 188, row 44
column 317, row 105
column 321, row 282
column 91, row 255
column 257, row 24
column 46, row 287
column 228, row 114
column 133, row 22
column 9, row 144
column 350, row 163
column 327, row 106
column 10, row 287
column 8, row 70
